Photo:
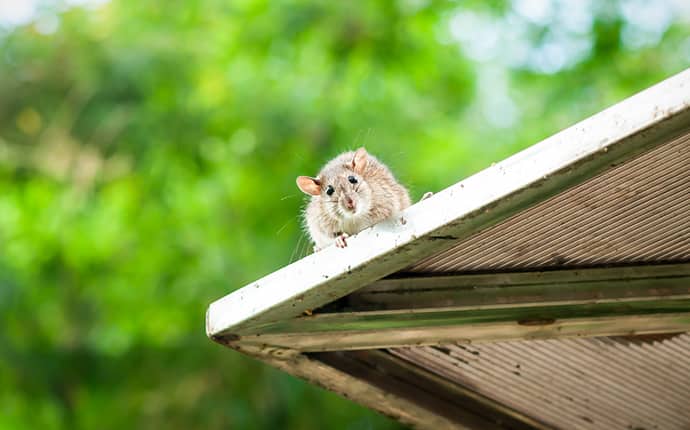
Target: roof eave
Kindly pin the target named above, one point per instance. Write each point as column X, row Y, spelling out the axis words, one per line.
column 490, row 196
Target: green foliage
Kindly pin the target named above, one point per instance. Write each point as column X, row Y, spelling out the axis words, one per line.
column 147, row 162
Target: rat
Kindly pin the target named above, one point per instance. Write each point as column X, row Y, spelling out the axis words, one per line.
column 353, row 191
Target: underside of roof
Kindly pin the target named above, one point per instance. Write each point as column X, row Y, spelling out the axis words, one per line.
column 602, row 382
column 551, row 290
column 632, row 213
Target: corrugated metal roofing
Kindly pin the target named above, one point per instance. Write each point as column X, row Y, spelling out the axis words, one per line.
column 637, row 212
column 594, row 383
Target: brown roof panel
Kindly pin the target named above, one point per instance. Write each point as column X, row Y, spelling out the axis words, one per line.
column 637, row 212
column 589, row 383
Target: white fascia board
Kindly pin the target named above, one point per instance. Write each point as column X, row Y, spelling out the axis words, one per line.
column 532, row 175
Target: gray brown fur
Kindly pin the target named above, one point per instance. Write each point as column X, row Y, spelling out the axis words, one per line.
column 376, row 197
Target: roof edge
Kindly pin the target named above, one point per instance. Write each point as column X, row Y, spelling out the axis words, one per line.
column 490, row 196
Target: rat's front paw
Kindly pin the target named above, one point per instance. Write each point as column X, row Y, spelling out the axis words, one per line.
column 340, row 240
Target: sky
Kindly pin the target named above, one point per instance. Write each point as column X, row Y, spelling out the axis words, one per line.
column 14, row 13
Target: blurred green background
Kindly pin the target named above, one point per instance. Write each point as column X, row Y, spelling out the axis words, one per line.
column 148, row 151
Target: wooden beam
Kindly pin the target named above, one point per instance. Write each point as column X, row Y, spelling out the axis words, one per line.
column 404, row 281
column 489, row 307
column 519, row 289
column 473, row 332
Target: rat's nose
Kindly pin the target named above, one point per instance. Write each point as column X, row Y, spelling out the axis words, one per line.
column 350, row 203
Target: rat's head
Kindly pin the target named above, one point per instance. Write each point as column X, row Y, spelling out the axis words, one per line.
column 341, row 185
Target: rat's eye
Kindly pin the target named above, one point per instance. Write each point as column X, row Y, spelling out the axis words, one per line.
column 330, row 190
column 352, row 179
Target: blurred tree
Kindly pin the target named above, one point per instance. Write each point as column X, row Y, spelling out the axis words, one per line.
column 148, row 156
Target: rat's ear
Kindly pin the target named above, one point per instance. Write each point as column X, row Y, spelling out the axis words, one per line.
column 309, row 185
column 359, row 161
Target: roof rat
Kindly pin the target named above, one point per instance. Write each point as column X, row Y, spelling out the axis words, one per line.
column 352, row 192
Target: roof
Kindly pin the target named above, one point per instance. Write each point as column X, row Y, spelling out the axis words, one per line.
column 551, row 290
